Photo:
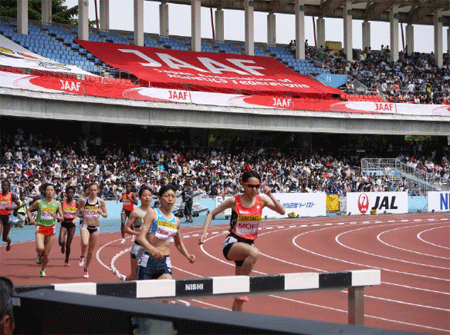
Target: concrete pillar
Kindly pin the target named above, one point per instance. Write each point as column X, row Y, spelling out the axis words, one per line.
column 196, row 37
column 271, row 29
column 46, row 12
column 83, row 20
column 300, row 29
column 22, row 17
column 410, row 38
column 320, row 33
column 104, row 14
column 366, row 35
column 164, row 19
column 393, row 19
column 138, row 22
column 438, row 37
column 348, row 32
column 448, row 41
column 249, row 28
column 220, row 26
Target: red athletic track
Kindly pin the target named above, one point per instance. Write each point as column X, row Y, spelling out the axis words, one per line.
column 412, row 251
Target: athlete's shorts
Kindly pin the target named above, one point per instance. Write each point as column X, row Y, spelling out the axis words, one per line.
column 67, row 224
column 46, row 230
column 127, row 213
column 228, row 243
column 5, row 220
column 135, row 251
column 91, row 229
column 151, row 268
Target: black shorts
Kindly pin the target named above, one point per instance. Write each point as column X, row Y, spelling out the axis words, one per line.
column 67, row 224
column 228, row 243
column 151, row 268
column 127, row 213
column 5, row 220
column 91, row 229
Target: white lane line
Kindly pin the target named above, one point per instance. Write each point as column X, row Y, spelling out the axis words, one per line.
column 425, row 241
column 381, row 256
column 408, row 250
column 359, row 264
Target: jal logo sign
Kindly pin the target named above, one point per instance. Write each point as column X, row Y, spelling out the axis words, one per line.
column 363, row 203
column 378, row 202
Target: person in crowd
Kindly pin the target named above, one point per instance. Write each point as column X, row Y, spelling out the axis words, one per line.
column 188, row 195
column 7, row 324
column 48, row 212
column 21, row 212
column 160, row 228
column 7, row 198
column 133, row 226
column 68, row 226
column 244, row 224
column 92, row 209
column 129, row 200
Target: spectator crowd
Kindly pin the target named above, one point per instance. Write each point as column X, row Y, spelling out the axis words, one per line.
column 27, row 165
column 414, row 78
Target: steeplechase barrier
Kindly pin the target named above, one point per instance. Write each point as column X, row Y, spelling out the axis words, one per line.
column 231, row 286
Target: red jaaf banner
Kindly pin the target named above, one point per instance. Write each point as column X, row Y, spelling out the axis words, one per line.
column 209, row 72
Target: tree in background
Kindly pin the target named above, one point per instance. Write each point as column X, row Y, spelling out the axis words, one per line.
column 60, row 12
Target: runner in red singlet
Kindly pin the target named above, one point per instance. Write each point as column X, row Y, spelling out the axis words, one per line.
column 69, row 209
column 129, row 200
column 6, row 207
column 246, row 215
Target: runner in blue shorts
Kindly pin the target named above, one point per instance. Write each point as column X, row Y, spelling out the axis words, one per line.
column 159, row 229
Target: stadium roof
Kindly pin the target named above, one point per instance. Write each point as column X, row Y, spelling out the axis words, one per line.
column 410, row 11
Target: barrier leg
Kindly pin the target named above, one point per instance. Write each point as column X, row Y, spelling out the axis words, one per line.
column 356, row 306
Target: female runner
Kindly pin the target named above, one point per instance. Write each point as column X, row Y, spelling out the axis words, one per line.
column 159, row 229
column 69, row 209
column 129, row 200
column 47, row 210
column 133, row 226
column 6, row 207
column 89, row 230
column 246, row 214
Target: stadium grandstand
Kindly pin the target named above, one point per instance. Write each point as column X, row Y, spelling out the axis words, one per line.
column 85, row 103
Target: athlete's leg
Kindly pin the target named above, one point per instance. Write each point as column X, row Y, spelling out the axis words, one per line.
column 165, row 276
column 123, row 220
column 48, row 242
column 133, row 265
column 5, row 236
column 84, row 241
column 244, row 252
column 70, row 235
column 39, row 239
column 92, row 243
column 248, row 254
column 62, row 239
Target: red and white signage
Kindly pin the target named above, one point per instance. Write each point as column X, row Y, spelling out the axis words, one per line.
column 134, row 92
column 210, row 72
column 377, row 202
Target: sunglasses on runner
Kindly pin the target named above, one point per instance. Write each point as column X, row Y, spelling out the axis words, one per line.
column 252, row 185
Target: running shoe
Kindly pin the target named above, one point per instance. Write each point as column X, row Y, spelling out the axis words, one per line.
column 123, row 241
column 243, row 299
column 8, row 245
column 42, row 273
column 39, row 259
column 66, row 264
column 81, row 263
column 86, row 274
